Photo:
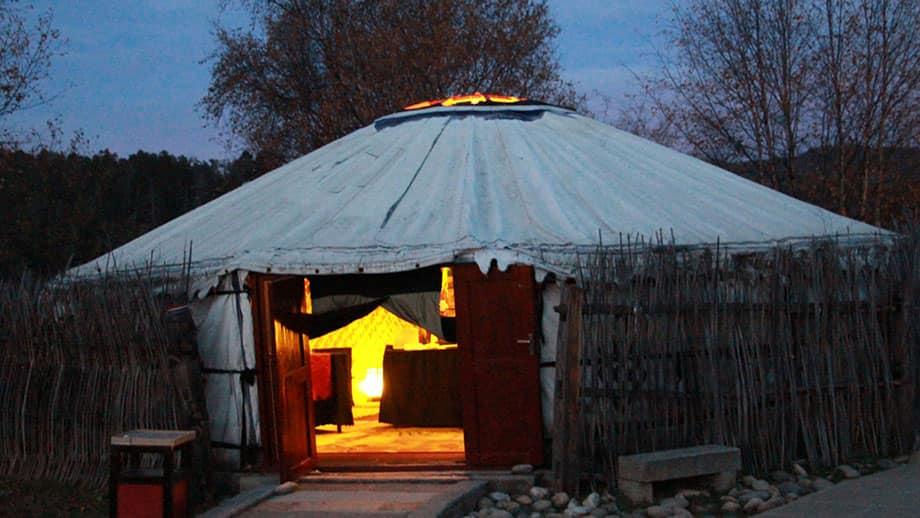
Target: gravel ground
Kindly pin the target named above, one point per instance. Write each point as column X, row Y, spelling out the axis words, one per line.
column 49, row 498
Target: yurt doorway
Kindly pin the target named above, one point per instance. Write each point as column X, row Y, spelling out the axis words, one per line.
column 380, row 364
column 404, row 366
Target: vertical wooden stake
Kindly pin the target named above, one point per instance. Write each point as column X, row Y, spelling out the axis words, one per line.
column 566, row 438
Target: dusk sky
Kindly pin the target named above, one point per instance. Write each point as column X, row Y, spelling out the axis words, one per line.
column 134, row 71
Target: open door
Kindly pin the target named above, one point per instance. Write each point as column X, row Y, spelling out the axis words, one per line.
column 288, row 359
column 496, row 326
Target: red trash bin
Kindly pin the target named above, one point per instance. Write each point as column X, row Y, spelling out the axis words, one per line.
column 138, row 492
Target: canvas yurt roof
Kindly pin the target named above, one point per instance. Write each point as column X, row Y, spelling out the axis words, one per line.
column 515, row 182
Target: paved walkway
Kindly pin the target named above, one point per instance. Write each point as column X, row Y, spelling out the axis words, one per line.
column 895, row 492
column 387, row 495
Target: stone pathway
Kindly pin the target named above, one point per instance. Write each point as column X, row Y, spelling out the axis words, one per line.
column 373, row 495
column 894, row 492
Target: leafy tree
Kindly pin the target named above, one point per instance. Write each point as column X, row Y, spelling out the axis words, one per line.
column 311, row 71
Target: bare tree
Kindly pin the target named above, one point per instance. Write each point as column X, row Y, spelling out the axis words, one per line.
column 26, row 51
column 809, row 96
column 735, row 83
column 869, row 88
column 311, row 71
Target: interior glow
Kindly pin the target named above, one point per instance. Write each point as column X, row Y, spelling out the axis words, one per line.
column 446, row 306
column 474, row 99
column 372, row 384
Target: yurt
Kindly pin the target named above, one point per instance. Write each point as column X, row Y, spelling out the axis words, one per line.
column 390, row 297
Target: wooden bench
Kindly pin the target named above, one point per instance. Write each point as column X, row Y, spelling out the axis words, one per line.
column 637, row 473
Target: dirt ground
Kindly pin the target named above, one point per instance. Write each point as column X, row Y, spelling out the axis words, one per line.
column 49, row 498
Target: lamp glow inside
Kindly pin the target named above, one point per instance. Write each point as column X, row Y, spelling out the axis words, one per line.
column 372, row 384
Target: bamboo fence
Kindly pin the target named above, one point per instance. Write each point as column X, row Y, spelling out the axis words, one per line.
column 807, row 354
column 79, row 363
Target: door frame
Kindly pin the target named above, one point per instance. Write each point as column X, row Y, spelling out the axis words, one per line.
column 269, row 389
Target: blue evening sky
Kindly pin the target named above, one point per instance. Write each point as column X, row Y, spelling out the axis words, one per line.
column 133, row 72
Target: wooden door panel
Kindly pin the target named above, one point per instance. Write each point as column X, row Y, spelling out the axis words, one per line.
column 297, row 454
column 290, row 364
column 496, row 324
column 508, row 434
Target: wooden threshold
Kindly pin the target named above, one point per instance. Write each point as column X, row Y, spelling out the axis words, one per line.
column 391, row 461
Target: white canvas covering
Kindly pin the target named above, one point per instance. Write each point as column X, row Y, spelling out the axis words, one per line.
column 514, row 183
column 227, row 351
column 549, row 329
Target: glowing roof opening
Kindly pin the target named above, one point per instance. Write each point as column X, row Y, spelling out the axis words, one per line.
column 474, row 99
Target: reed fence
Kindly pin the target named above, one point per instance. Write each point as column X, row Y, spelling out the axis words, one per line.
column 807, row 353
column 79, row 363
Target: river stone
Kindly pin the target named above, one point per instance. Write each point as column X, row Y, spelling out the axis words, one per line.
column 780, row 476
column 792, row 496
column 748, row 480
column 523, row 499
column 592, row 501
column 821, row 483
column 536, row 515
column 611, row 508
column 752, row 505
column 542, row 505
column 560, row 499
column 690, row 493
column 485, row 503
column 747, row 496
column 599, row 512
column 657, row 511
column 577, row 510
column 498, row 496
column 886, row 464
column 508, row 505
column 787, row 488
column 731, row 507
column 799, row 470
column 500, row 513
column 521, row 469
column 287, row 487
column 680, row 512
column 846, row 471
column 760, row 485
column 538, row 493
column 722, row 482
column 677, row 501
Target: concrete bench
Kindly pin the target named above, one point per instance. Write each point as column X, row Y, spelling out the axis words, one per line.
column 636, row 473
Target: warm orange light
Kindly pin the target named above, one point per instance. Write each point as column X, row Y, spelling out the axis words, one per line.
column 446, row 305
column 423, row 104
column 473, row 99
column 372, row 384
